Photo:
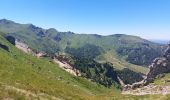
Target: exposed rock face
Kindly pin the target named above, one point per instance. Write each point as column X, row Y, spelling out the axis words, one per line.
column 149, row 89
column 25, row 48
column 159, row 66
column 65, row 64
column 41, row 54
column 167, row 52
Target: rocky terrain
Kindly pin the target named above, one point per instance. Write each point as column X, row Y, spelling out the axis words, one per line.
column 60, row 60
column 149, row 89
column 66, row 55
column 67, row 67
column 158, row 68
column 25, row 48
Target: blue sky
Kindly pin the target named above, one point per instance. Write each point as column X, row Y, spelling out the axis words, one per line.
column 149, row 19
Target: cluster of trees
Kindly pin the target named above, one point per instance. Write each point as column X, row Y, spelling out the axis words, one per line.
column 139, row 55
column 103, row 74
column 129, row 76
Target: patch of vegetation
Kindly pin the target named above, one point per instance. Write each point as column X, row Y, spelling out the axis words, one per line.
column 28, row 73
column 88, row 51
column 133, row 49
column 129, row 76
column 165, row 80
column 23, row 71
column 101, row 73
column 120, row 64
column 140, row 54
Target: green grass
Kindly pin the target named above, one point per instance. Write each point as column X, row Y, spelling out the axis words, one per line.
column 126, row 46
column 42, row 75
column 161, row 81
column 34, row 75
column 120, row 64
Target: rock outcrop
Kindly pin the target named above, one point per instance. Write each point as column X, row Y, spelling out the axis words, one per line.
column 65, row 64
column 149, row 90
column 158, row 67
column 25, row 48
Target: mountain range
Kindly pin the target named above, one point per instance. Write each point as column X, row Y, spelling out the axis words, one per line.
column 104, row 62
column 132, row 49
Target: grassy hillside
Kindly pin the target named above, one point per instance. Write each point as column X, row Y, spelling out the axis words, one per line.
column 23, row 76
column 163, row 80
column 40, row 76
column 123, row 51
column 120, row 64
column 132, row 49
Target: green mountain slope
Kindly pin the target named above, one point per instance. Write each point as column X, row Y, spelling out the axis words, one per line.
column 20, row 72
column 123, row 48
column 24, row 77
column 123, row 51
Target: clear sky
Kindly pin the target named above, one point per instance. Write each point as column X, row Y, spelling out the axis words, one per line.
column 149, row 19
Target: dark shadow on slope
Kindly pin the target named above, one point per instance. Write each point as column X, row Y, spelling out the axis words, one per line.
column 11, row 39
column 4, row 47
column 129, row 76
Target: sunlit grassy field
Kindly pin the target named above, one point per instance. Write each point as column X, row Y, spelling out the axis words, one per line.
column 23, row 77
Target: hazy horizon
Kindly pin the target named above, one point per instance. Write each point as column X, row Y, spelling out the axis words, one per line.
column 147, row 19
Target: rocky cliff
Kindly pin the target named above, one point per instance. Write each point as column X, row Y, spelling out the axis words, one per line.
column 158, row 67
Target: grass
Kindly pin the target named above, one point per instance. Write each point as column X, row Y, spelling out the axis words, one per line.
column 30, row 74
column 53, row 41
column 42, row 75
column 120, row 64
column 161, row 81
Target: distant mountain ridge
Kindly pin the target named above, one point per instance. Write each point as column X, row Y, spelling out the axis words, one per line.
column 160, row 41
column 25, row 77
column 53, row 41
column 102, row 62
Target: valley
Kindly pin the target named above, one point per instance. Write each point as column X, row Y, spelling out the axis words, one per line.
column 37, row 63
